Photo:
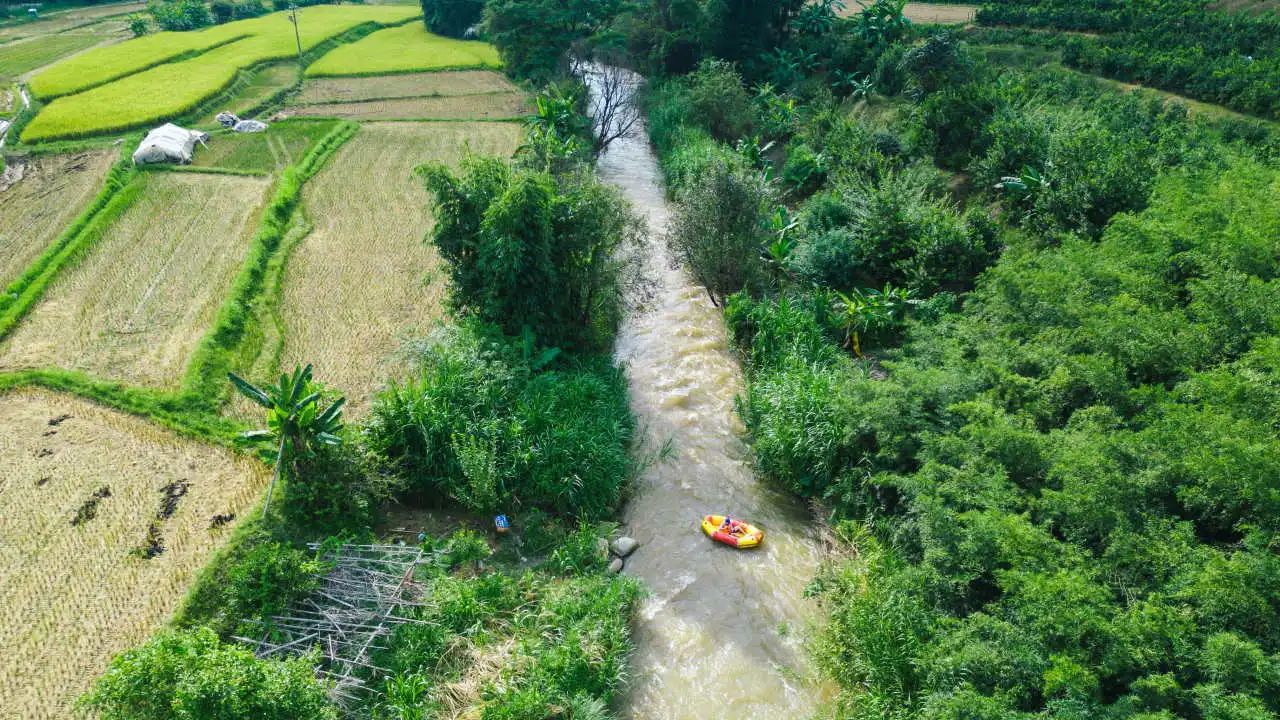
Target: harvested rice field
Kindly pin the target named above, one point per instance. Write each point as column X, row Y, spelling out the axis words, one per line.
column 489, row 106
column 46, row 194
column 265, row 83
column 364, row 278
column 411, row 85
column 81, row 487
column 82, row 18
column 135, row 308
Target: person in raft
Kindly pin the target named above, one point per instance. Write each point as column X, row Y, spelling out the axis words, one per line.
column 731, row 526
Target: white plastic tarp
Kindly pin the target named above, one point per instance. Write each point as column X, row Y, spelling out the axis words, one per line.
column 168, row 144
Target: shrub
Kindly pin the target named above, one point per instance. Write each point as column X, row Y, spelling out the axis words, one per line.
column 529, row 250
column 720, row 229
column 138, row 25
column 248, row 9
column 180, row 14
column 190, row 675
column 222, row 11
column 480, row 427
column 451, row 17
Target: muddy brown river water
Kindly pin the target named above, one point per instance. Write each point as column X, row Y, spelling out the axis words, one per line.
column 721, row 632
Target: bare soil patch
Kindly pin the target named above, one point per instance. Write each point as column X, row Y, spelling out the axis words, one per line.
column 74, row 595
column 489, row 106
column 137, row 305
column 364, row 278
column 33, row 211
column 389, row 87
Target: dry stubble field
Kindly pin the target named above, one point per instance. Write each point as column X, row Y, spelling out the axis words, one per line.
column 387, row 87
column 35, row 210
column 76, row 594
column 364, row 278
column 137, row 305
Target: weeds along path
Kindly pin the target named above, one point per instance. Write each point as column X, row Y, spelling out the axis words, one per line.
column 721, row 630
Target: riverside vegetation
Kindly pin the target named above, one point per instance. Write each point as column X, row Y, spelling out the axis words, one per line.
column 1012, row 330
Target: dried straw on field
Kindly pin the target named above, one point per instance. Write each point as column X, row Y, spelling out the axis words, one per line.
column 488, row 106
column 387, row 87
column 137, row 305
column 52, row 191
column 364, row 277
column 75, row 595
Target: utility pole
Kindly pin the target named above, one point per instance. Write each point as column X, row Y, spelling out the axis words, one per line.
column 293, row 18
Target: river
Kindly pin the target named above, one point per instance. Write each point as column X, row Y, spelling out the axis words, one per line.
column 721, row 632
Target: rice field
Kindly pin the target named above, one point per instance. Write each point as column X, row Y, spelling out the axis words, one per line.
column 21, row 57
column 317, row 24
column 408, row 48
column 74, row 595
column 390, row 87
column 52, row 191
column 172, row 89
column 364, row 278
column 488, row 106
column 137, row 305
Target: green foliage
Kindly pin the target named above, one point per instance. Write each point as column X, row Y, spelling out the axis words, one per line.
column 451, row 17
column 190, row 675
column 298, row 428
column 1063, row 485
column 1184, row 46
column 721, row 227
column 138, row 25
column 493, row 430
column 534, row 37
column 182, row 14
column 530, row 250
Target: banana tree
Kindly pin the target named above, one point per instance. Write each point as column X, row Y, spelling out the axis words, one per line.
column 869, row 310
column 296, row 424
column 776, row 253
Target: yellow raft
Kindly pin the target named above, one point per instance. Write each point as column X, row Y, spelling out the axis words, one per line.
column 741, row 535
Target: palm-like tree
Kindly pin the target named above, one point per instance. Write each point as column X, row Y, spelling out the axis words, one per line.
column 869, row 310
column 296, row 424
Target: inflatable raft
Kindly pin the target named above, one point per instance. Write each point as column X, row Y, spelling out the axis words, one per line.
column 743, row 535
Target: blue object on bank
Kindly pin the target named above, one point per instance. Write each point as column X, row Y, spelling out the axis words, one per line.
column 501, row 523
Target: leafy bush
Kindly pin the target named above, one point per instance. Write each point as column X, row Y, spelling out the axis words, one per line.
column 482, row 427
column 180, row 14
column 190, row 675
column 138, row 25
column 893, row 230
column 451, row 17
column 720, row 229
column 529, row 250
column 222, row 10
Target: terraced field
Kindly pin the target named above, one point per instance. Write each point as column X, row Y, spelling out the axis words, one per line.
column 24, row 56
column 408, row 48
column 486, row 106
column 34, row 210
column 137, row 305
column 317, row 91
column 76, row 582
column 137, row 82
column 364, row 278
